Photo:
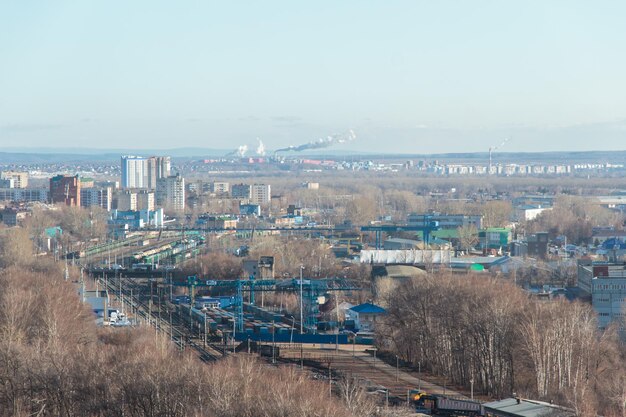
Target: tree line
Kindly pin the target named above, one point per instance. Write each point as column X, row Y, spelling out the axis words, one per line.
column 484, row 331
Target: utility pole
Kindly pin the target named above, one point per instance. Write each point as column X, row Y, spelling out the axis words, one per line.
column 397, row 368
column 301, row 301
column 273, row 343
column 419, row 376
column 150, row 304
column 330, row 382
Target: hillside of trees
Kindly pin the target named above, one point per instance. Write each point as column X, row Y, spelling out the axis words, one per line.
column 55, row 361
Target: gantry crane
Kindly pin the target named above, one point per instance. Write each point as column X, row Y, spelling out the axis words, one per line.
column 309, row 290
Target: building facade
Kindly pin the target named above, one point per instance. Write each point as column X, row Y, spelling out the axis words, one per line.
column 20, row 179
column 25, row 194
column 141, row 172
column 170, row 192
column 127, row 201
column 220, row 188
column 157, row 167
column 145, row 200
column 606, row 284
column 242, row 191
column 134, row 172
column 65, row 189
column 100, row 197
column 260, row 194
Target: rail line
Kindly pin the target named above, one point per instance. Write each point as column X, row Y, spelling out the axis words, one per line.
column 134, row 294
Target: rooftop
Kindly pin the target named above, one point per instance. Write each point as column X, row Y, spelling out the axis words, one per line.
column 368, row 308
column 526, row 408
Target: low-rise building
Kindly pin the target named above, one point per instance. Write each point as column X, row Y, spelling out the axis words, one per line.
column 365, row 316
column 521, row 407
column 12, row 216
column 249, row 210
column 398, row 243
column 494, row 238
column 217, row 222
column 529, row 212
column 121, row 222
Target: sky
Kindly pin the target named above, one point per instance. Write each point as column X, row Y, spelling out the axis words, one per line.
column 414, row 76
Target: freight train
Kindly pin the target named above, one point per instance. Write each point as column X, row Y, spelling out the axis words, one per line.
column 444, row 406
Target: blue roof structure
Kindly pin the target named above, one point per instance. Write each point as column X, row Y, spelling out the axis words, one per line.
column 368, row 308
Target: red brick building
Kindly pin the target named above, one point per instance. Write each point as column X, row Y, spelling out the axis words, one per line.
column 65, row 189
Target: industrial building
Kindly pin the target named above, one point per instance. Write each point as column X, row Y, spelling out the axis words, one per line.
column 446, row 221
column 520, row 407
column 121, row 222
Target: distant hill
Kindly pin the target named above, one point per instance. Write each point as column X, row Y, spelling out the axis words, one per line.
column 66, row 155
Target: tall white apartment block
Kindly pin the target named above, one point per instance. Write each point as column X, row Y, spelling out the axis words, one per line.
column 134, row 172
column 141, row 172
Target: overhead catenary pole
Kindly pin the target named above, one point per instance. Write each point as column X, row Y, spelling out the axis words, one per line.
column 301, row 302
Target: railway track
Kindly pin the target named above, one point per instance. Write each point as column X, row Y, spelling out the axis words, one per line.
column 137, row 296
column 374, row 373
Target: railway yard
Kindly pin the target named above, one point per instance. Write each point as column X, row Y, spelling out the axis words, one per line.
column 147, row 302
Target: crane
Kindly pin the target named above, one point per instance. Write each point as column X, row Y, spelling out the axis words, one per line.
column 493, row 148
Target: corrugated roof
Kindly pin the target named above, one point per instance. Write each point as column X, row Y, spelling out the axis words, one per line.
column 526, row 408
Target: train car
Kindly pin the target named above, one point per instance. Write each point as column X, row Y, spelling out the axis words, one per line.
column 444, row 406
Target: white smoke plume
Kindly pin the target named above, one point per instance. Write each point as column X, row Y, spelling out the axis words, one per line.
column 240, row 151
column 260, row 150
column 322, row 142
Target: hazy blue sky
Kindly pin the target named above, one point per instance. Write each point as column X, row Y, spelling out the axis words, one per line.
column 413, row 76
